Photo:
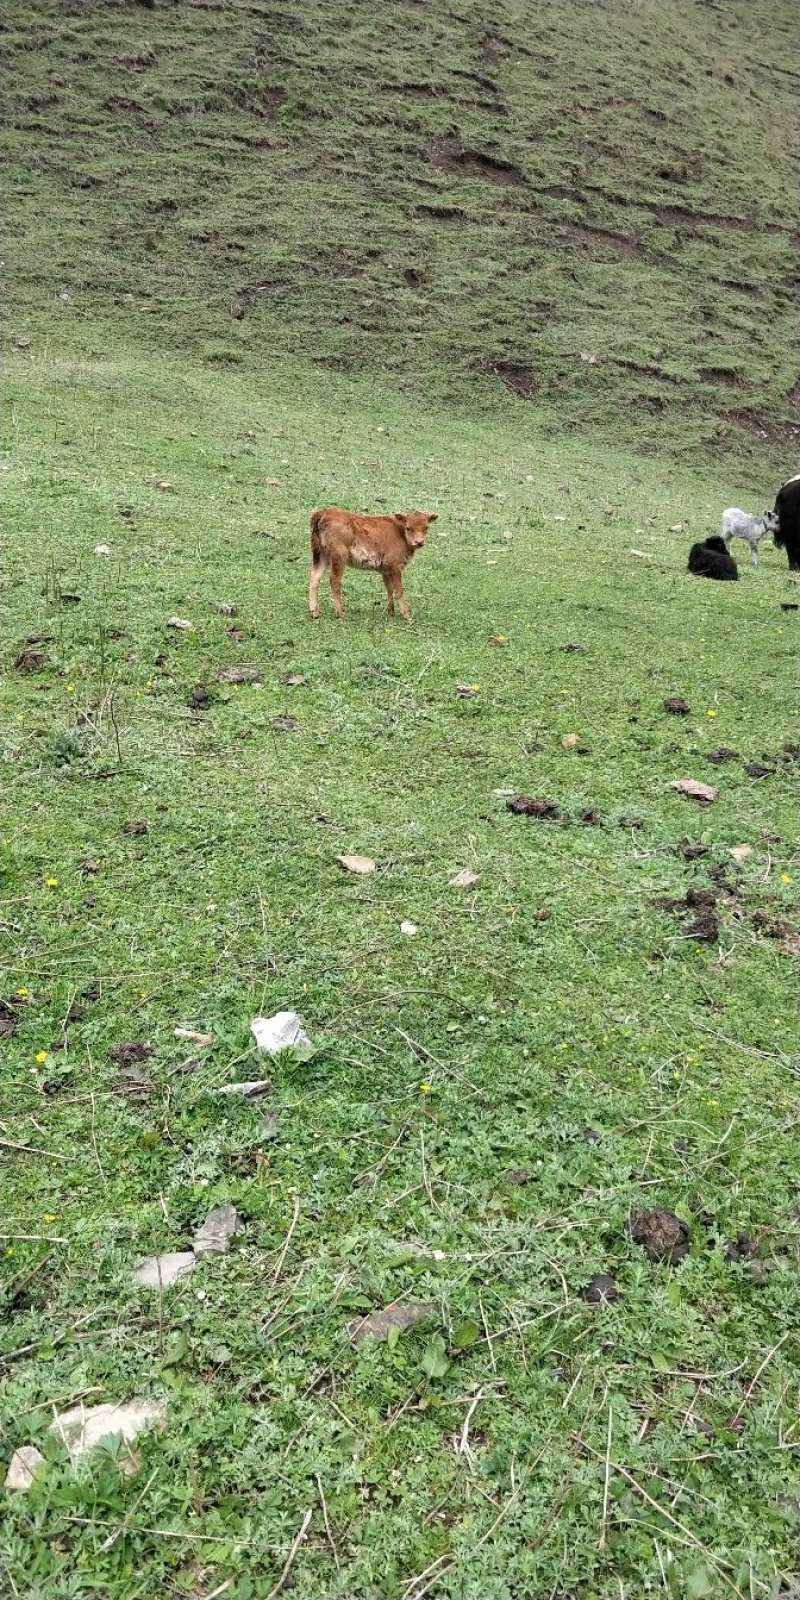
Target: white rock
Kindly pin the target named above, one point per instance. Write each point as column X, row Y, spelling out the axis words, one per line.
column 214, row 1238
column 83, row 1427
column 360, row 864
column 23, row 1467
column 102, row 549
column 704, row 792
column 410, row 929
column 160, row 1272
column 250, row 1090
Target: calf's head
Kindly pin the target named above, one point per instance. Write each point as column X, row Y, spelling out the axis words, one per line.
column 770, row 520
column 415, row 526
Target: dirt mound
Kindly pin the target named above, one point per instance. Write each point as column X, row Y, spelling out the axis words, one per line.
column 662, row 1235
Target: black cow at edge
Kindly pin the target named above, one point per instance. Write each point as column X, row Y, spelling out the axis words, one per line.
column 787, row 510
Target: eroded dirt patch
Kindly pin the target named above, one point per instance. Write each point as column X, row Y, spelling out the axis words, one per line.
column 521, row 380
column 450, row 156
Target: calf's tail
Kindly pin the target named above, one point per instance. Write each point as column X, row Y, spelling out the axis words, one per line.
column 316, row 540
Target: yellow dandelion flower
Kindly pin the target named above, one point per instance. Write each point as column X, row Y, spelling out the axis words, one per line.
column 475, row 687
column 425, row 1088
column 711, row 713
column 49, row 1216
column 41, row 1055
column 52, row 883
column 22, row 993
column 70, row 688
column 785, row 877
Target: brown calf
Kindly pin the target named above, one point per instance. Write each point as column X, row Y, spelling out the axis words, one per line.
column 342, row 539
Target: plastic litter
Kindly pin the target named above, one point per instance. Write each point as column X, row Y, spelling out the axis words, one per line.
column 284, row 1031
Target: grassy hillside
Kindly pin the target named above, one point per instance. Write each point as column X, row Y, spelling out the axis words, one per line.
column 503, row 262
column 445, row 193
column 490, row 1098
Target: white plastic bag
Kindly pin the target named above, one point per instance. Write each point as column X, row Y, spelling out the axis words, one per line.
column 284, row 1031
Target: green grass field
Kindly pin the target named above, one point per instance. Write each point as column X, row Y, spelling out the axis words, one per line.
column 605, row 1050
column 264, row 259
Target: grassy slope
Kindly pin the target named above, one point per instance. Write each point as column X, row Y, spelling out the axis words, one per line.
column 169, row 168
column 604, row 1049
column 435, row 190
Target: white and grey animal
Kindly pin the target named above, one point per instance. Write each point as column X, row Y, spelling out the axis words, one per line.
column 738, row 524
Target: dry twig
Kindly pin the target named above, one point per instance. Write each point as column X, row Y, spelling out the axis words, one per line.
column 287, row 1241
column 765, row 1363
column 326, row 1519
column 463, row 1445
column 292, row 1556
column 604, row 1517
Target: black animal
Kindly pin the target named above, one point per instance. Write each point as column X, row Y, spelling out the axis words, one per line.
column 787, row 510
column 711, row 560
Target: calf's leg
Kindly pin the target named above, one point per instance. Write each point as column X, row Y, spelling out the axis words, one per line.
column 337, row 568
column 397, row 585
column 389, row 595
column 315, row 578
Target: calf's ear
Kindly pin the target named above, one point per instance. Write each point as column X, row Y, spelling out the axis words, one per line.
column 399, row 516
column 433, row 516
